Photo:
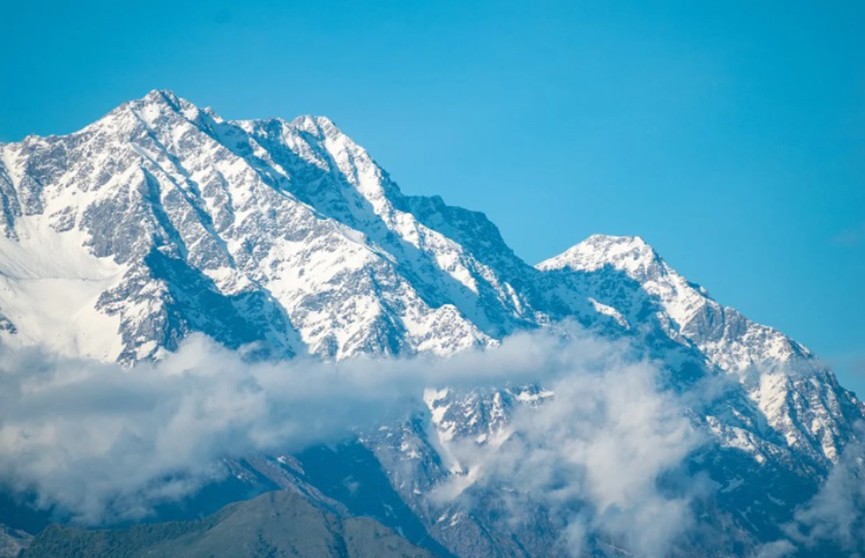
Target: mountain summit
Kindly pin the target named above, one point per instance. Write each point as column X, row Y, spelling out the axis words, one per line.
column 280, row 234
column 281, row 238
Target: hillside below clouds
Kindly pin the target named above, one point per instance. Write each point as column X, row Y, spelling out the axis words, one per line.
column 282, row 239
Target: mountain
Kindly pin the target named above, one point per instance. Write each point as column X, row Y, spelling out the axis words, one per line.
column 278, row 523
column 789, row 386
column 283, row 238
column 162, row 219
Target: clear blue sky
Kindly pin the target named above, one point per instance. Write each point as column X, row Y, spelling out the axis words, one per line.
column 730, row 135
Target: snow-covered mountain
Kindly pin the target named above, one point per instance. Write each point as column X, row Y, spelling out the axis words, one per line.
column 281, row 238
column 778, row 373
column 161, row 219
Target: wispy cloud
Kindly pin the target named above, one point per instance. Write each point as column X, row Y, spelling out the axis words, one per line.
column 854, row 236
column 103, row 442
column 594, row 455
column 834, row 514
column 99, row 440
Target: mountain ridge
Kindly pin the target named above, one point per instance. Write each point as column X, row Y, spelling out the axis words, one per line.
column 282, row 238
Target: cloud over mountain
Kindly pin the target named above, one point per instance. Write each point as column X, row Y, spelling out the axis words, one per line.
column 179, row 292
column 100, row 441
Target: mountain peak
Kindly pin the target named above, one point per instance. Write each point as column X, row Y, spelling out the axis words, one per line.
column 319, row 126
column 631, row 254
column 163, row 96
column 166, row 100
column 157, row 104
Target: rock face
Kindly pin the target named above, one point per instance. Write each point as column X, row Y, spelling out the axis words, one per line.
column 12, row 541
column 281, row 238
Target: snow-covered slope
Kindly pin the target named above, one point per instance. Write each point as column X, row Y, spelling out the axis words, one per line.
column 284, row 234
column 730, row 340
column 792, row 389
column 281, row 237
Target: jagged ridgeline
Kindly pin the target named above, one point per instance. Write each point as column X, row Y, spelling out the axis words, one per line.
column 284, row 238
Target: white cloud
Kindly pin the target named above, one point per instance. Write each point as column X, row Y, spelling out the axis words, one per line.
column 595, row 454
column 100, row 440
column 105, row 442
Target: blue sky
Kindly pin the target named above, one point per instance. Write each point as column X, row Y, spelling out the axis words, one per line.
column 730, row 135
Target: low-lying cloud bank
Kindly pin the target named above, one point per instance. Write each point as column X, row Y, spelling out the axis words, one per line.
column 102, row 442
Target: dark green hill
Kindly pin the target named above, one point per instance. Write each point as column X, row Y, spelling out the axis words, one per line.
column 273, row 525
